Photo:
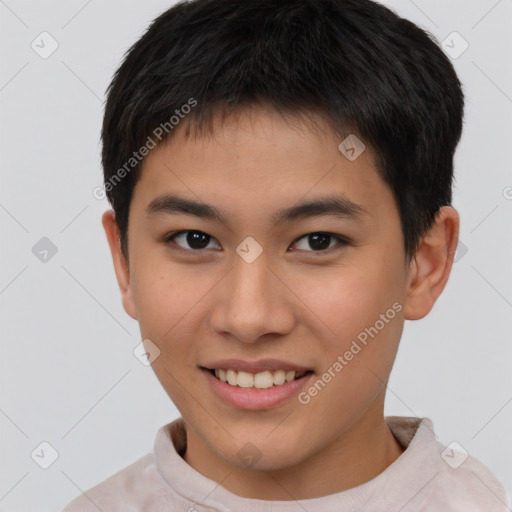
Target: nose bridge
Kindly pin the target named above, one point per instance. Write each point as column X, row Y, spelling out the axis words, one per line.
column 249, row 287
column 250, row 281
column 250, row 306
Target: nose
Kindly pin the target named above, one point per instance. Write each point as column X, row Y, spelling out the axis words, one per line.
column 252, row 302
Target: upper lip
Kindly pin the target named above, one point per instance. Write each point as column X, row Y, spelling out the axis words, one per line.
column 258, row 366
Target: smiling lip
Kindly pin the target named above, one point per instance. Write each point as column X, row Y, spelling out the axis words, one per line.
column 253, row 399
column 255, row 366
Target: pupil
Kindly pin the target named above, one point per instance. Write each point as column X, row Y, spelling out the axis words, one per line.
column 320, row 241
column 194, row 239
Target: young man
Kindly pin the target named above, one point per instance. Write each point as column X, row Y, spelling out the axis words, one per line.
column 280, row 174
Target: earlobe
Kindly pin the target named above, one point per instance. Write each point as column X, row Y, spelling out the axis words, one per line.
column 432, row 264
column 121, row 266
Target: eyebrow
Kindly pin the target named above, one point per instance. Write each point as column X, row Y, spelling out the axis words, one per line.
column 336, row 206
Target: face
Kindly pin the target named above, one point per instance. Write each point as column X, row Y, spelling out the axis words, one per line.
column 270, row 287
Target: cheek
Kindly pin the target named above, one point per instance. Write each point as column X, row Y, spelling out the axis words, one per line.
column 170, row 301
column 165, row 298
column 347, row 301
column 362, row 306
column 162, row 296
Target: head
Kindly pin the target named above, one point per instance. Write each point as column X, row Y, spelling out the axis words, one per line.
column 277, row 243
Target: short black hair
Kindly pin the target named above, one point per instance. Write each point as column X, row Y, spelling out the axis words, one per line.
column 356, row 62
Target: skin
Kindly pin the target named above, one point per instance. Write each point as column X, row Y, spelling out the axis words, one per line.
column 293, row 303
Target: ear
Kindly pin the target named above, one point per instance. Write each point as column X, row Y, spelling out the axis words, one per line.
column 121, row 266
column 431, row 266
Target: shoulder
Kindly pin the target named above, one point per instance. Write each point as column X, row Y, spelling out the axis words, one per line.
column 124, row 491
column 432, row 476
column 470, row 484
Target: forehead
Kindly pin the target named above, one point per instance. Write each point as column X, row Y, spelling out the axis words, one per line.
column 260, row 161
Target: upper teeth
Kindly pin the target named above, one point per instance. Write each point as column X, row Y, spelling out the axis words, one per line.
column 257, row 380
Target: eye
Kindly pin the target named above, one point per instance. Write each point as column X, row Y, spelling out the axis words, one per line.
column 321, row 241
column 197, row 240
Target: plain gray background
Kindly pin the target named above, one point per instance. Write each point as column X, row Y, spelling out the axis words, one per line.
column 68, row 373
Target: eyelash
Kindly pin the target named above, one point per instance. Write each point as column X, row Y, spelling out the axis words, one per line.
column 342, row 241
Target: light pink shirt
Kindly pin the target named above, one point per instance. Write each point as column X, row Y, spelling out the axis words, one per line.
column 426, row 477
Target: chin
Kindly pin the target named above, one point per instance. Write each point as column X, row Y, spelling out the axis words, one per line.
column 260, row 454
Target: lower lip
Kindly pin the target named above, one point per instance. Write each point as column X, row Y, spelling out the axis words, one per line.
column 254, row 399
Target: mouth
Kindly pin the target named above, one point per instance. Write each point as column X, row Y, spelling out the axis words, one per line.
column 261, row 380
column 255, row 386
